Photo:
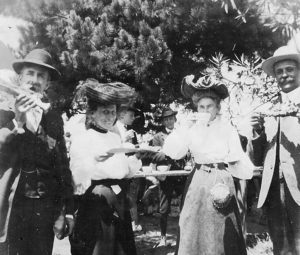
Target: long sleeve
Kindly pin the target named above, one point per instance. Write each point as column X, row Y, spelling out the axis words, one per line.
column 81, row 162
column 256, row 149
column 176, row 145
column 234, row 145
column 54, row 128
column 134, row 165
column 66, row 176
column 85, row 150
column 6, row 134
column 239, row 164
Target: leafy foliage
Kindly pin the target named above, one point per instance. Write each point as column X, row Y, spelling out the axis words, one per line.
column 149, row 44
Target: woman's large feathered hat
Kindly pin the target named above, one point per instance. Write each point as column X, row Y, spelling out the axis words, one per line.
column 205, row 84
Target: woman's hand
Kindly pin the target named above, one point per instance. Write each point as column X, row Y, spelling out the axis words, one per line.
column 129, row 135
column 102, row 158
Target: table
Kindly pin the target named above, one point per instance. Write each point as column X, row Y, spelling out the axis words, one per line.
column 256, row 173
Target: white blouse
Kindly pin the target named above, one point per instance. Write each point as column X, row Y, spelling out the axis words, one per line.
column 214, row 143
column 84, row 150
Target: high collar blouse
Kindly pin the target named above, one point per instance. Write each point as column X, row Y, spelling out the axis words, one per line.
column 88, row 145
column 217, row 142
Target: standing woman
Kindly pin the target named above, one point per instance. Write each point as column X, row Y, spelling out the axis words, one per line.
column 209, row 222
column 103, row 219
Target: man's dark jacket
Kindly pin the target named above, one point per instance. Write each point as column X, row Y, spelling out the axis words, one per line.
column 34, row 165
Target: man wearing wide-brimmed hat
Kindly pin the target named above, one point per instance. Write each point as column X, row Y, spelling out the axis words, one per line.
column 35, row 183
column 278, row 139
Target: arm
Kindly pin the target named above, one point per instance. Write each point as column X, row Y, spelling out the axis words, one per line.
column 257, row 143
column 8, row 127
column 65, row 223
column 176, row 145
column 89, row 158
column 256, row 149
column 158, row 139
column 11, row 123
column 65, row 176
column 239, row 164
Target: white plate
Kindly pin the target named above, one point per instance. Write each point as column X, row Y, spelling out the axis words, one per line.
column 132, row 150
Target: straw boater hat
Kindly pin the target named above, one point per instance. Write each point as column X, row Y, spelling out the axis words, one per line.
column 205, row 84
column 282, row 53
column 38, row 57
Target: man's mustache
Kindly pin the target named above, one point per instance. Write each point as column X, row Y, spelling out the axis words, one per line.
column 287, row 80
column 33, row 86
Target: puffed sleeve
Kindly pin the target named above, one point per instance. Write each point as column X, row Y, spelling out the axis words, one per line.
column 176, row 144
column 239, row 164
column 86, row 160
column 134, row 165
column 81, row 163
column 118, row 166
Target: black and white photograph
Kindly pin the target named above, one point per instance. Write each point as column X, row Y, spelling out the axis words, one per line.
column 149, row 127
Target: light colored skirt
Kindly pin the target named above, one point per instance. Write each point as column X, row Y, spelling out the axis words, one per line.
column 204, row 229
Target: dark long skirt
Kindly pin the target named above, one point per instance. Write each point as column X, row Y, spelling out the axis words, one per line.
column 103, row 222
column 203, row 229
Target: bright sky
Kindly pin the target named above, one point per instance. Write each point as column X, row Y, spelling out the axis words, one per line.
column 9, row 36
column 9, row 33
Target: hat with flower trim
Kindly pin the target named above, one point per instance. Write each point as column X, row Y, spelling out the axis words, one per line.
column 205, row 84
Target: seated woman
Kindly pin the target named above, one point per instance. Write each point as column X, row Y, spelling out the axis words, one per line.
column 209, row 222
column 103, row 219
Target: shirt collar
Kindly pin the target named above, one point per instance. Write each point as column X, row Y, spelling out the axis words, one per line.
column 168, row 130
column 98, row 128
column 293, row 96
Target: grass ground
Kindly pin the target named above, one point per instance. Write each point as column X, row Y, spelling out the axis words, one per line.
column 258, row 242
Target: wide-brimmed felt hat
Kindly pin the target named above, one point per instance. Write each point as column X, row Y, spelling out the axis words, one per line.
column 109, row 93
column 282, row 53
column 167, row 112
column 204, row 84
column 38, row 57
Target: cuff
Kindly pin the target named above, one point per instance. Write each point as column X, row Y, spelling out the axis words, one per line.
column 14, row 127
column 257, row 134
column 70, row 216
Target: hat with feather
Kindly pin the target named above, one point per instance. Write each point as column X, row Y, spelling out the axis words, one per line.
column 205, row 86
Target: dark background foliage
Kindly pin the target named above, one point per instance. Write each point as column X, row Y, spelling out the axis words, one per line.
column 149, row 44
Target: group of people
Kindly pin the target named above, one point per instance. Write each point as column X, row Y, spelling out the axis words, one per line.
column 38, row 180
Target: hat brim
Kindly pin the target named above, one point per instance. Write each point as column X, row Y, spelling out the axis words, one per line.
column 188, row 90
column 268, row 64
column 19, row 64
column 174, row 113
